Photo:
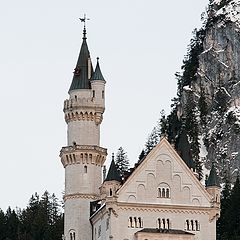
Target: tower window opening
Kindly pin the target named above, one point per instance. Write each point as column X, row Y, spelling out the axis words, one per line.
column 75, row 97
column 103, row 94
column 85, row 169
column 93, row 93
column 110, row 192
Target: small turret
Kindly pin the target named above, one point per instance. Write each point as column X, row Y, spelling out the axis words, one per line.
column 98, row 86
column 112, row 182
column 213, row 186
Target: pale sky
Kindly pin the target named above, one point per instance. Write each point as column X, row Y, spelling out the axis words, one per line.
column 141, row 44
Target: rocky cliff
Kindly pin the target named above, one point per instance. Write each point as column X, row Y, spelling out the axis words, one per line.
column 218, row 80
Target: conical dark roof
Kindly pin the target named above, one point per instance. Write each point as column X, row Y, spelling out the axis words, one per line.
column 183, row 148
column 113, row 173
column 81, row 76
column 97, row 75
column 213, row 179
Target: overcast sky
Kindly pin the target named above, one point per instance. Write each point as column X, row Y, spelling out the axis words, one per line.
column 141, row 44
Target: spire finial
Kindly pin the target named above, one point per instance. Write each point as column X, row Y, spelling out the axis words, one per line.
column 97, row 59
column 113, row 156
column 84, row 28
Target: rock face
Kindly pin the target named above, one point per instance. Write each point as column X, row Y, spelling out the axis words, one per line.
column 218, row 76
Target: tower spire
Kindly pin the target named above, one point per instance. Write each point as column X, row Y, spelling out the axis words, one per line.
column 83, row 70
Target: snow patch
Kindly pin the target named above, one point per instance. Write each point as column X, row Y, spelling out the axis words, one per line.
column 187, row 88
column 231, row 11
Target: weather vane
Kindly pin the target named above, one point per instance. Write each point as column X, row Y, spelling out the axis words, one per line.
column 84, row 19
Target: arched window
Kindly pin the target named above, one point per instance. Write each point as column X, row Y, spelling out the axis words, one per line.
column 93, row 93
column 192, row 225
column 197, row 227
column 164, row 223
column 72, row 235
column 167, row 193
column 135, row 222
column 163, row 193
column 85, row 169
column 140, row 222
column 102, row 94
column 159, row 223
column 110, row 192
column 187, row 225
column 168, row 224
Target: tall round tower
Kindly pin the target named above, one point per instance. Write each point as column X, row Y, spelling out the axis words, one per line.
column 83, row 158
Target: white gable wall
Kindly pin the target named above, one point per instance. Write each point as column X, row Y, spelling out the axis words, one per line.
column 163, row 168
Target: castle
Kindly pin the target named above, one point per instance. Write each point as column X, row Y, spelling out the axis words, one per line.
column 160, row 199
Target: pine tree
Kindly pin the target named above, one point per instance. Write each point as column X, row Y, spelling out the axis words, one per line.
column 163, row 124
column 142, row 155
column 3, row 225
column 233, row 213
column 122, row 161
column 153, row 140
column 193, row 132
column 203, row 108
column 225, row 203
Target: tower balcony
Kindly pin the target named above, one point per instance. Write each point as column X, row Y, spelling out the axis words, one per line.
column 83, row 154
column 83, row 109
column 83, row 103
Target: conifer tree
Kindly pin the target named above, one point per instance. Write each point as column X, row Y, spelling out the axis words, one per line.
column 203, row 108
column 225, row 203
column 233, row 214
column 153, row 140
column 142, row 155
column 122, row 161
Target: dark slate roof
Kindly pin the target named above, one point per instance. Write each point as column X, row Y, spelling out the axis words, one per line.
column 80, row 77
column 97, row 75
column 183, row 148
column 213, row 179
column 113, row 173
column 166, row 231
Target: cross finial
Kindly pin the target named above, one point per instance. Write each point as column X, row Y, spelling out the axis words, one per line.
column 84, row 19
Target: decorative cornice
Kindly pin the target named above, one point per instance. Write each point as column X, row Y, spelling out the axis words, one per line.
column 80, row 195
column 83, row 110
column 166, row 208
column 84, row 154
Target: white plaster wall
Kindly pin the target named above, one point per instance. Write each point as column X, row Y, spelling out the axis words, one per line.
column 77, row 213
column 121, row 230
column 76, row 181
column 83, row 133
column 101, row 221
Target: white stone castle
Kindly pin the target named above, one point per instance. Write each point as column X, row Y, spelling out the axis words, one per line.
column 160, row 199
